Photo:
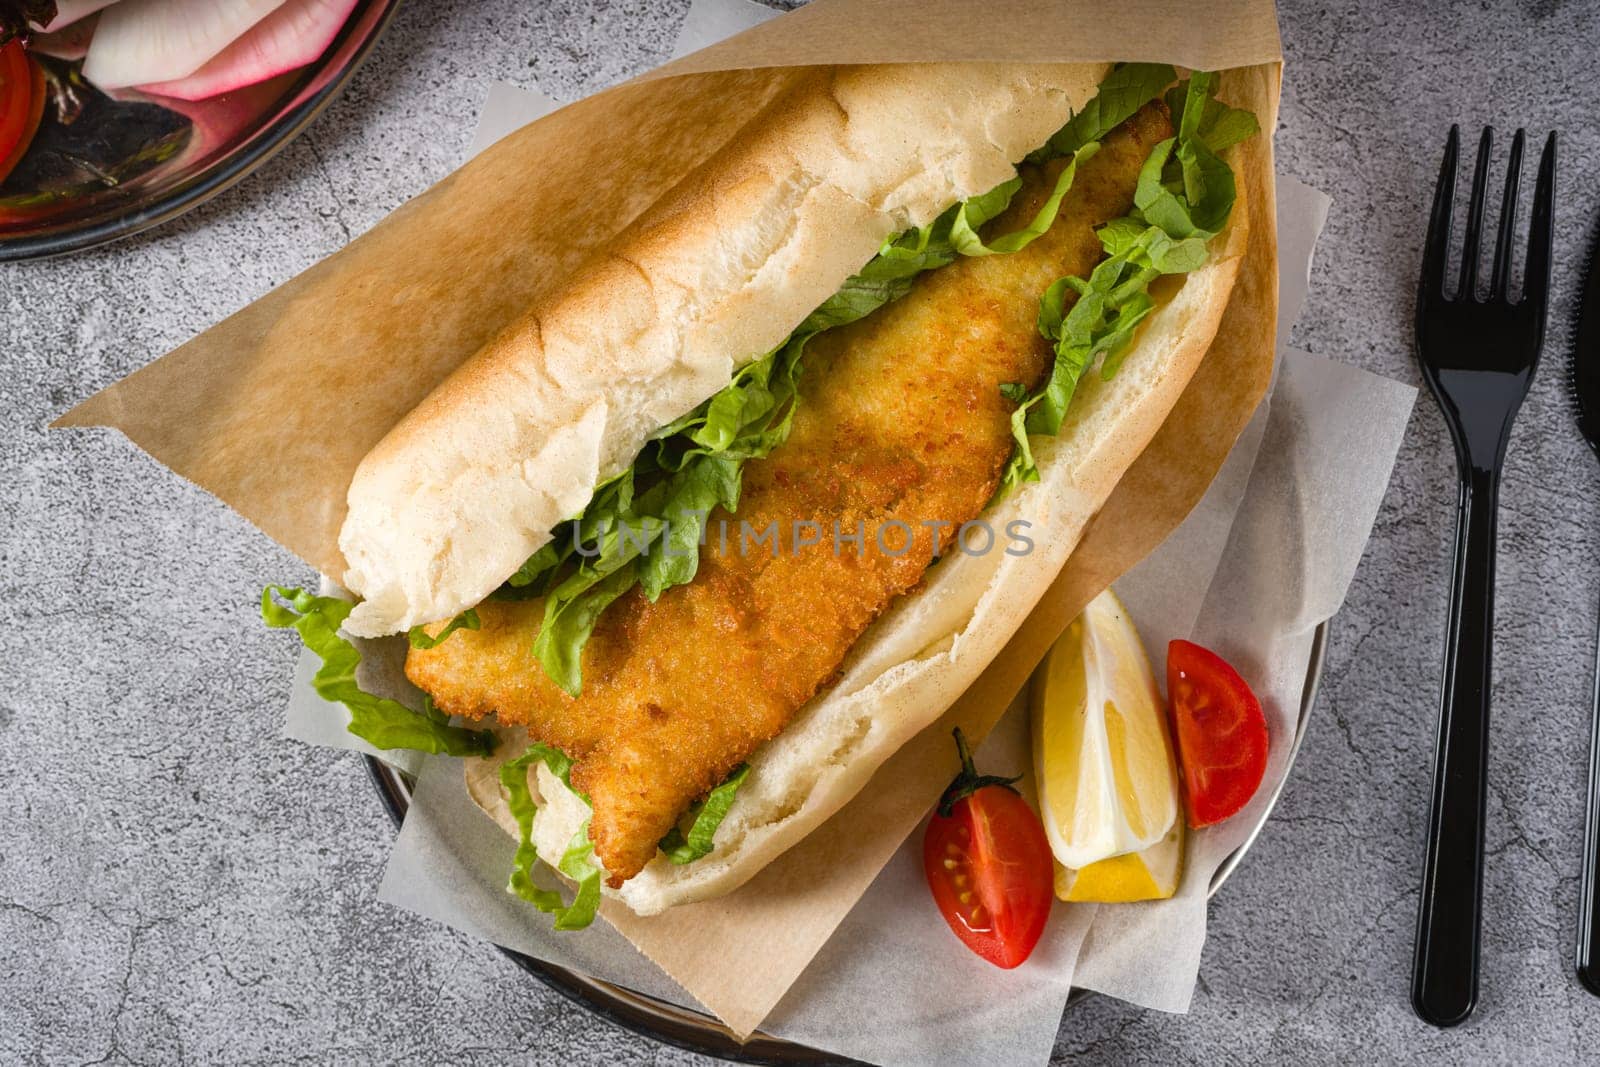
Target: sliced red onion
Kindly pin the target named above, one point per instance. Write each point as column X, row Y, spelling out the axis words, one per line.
column 289, row 38
column 143, row 41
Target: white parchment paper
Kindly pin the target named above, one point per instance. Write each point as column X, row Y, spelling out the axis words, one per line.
column 1289, row 558
column 1264, row 558
column 892, row 986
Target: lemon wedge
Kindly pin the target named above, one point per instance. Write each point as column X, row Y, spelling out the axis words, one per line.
column 1108, row 782
column 1149, row 875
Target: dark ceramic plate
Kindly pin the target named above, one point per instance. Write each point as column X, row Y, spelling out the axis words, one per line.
column 124, row 165
column 689, row 1029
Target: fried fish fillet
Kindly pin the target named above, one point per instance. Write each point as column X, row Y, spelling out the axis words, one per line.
column 900, row 419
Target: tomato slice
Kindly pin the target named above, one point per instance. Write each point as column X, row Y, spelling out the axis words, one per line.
column 21, row 104
column 1221, row 733
column 988, row 864
column 16, row 95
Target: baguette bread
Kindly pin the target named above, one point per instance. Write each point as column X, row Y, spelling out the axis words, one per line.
column 928, row 648
column 469, row 485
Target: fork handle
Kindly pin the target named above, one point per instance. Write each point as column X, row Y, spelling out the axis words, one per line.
column 1444, row 977
column 1589, row 893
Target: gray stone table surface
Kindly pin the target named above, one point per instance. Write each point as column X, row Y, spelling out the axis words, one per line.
column 179, row 883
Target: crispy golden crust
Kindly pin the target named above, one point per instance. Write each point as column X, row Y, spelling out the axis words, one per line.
column 900, row 419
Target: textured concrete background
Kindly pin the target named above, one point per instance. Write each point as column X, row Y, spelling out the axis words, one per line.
column 177, row 883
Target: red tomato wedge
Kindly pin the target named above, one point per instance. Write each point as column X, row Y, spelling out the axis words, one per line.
column 21, row 104
column 988, row 863
column 1221, row 733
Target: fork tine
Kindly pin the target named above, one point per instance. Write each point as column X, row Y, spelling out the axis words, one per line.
column 1436, row 253
column 1501, row 277
column 1536, row 284
column 1468, row 289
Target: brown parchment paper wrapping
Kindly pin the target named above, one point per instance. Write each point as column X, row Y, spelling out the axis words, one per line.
column 272, row 409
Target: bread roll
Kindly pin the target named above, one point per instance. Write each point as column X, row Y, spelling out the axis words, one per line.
column 470, row 484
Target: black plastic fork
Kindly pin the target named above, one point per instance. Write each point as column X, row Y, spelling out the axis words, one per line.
column 1478, row 357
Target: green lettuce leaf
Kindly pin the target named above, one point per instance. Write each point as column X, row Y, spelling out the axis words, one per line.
column 577, row 862
column 382, row 722
column 1200, row 115
column 963, row 231
column 569, row 618
column 418, row 636
column 693, row 492
column 1126, row 89
column 538, row 568
column 886, row 277
column 1184, row 196
column 684, row 848
column 1184, row 188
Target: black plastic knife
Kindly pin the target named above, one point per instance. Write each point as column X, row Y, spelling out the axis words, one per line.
column 1584, row 382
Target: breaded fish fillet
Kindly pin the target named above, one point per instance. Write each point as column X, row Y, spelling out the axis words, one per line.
column 900, row 418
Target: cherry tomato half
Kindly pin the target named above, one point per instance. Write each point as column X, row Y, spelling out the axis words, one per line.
column 1221, row 733
column 21, row 104
column 988, row 863
column 16, row 95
